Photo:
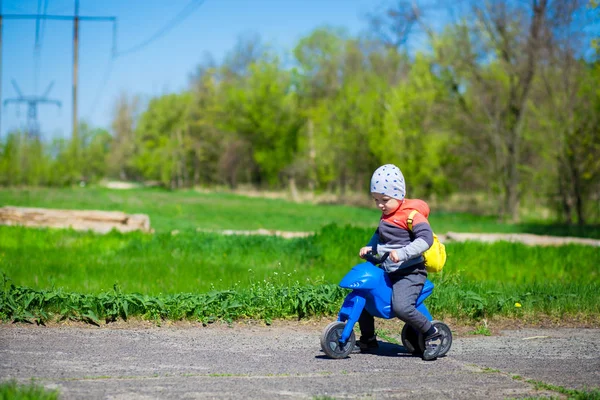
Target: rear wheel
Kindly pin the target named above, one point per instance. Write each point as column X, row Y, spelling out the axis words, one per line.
column 445, row 342
column 330, row 340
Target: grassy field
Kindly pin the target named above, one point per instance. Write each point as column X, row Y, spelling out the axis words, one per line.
column 192, row 210
column 206, row 275
column 197, row 262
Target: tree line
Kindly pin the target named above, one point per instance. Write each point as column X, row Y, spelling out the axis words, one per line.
column 502, row 100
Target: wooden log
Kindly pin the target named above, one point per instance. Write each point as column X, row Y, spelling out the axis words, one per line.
column 81, row 220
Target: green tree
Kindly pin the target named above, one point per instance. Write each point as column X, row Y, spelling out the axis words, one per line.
column 568, row 114
column 160, row 140
column 66, row 162
column 29, row 161
column 316, row 79
column 122, row 149
column 341, row 125
column 9, row 168
column 210, row 146
column 95, row 147
column 320, row 57
column 412, row 135
column 490, row 58
column 261, row 108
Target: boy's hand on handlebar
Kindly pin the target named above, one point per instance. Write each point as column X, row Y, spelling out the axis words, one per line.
column 367, row 250
column 364, row 251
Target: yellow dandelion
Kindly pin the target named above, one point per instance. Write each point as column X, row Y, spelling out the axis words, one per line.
column 518, row 305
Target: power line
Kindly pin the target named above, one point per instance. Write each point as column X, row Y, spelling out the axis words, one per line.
column 37, row 48
column 179, row 17
column 183, row 14
column 102, row 86
column 56, row 17
column 76, row 19
column 43, row 28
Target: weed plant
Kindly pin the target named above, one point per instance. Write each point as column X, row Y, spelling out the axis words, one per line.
column 264, row 300
column 272, row 299
column 12, row 390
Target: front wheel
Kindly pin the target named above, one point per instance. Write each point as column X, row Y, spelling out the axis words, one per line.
column 410, row 340
column 330, row 340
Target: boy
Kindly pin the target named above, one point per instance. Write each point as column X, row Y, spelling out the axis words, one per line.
column 405, row 264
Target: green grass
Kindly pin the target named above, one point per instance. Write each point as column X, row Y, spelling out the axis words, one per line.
column 207, row 277
column 476, row 300
column 11, row 390
column 193, row 262
column 192, row 210
column 571, row 394
column 187, row 209
column 53, row 273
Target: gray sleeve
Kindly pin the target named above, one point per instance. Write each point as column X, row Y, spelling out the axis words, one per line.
column 422, row 242
column 415, row 249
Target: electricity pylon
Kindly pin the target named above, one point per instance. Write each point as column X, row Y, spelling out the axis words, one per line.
column 33, row 126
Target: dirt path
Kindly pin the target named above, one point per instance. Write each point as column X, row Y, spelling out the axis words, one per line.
column 276, row 362
column 525, row 238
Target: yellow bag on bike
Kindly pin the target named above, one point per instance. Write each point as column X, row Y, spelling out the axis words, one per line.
column 435, row 256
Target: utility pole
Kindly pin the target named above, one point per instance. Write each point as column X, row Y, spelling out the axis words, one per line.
column 75, row 68
column 76, row 19
column 33, row 126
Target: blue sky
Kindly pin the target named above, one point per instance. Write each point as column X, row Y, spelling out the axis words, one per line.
column 163, row 66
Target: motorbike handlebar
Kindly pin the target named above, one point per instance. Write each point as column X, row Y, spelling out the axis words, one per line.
column 374, row 259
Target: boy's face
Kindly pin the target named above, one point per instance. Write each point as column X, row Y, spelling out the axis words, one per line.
column 385, row 203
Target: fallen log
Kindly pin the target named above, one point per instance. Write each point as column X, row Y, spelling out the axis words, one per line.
column 81, row 220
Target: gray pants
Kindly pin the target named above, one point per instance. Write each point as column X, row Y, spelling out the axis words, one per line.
column 406, row 288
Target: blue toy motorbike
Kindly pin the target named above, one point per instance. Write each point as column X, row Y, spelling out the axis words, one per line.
column 372, row 290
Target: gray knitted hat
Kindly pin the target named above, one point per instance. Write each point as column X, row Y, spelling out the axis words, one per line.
column 388, row 180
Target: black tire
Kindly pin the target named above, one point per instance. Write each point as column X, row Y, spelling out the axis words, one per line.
column 410, row 340
column 330, row 340
column 446, row 340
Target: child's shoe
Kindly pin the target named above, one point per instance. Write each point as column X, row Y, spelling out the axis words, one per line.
column 432, row 346
column 367, row 345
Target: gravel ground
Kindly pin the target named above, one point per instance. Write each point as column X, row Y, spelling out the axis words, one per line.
column 278, row 362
